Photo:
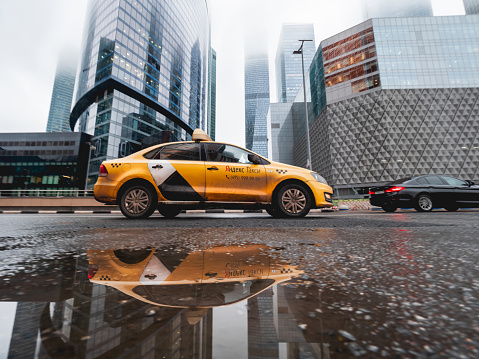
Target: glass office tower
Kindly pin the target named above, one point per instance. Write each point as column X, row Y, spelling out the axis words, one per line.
column 143, row 74
column 60, row 106
column 256, row 102
column 212, row 95
column 385, row 8
column 471, row 7
column 401, row 100
column 289, row 75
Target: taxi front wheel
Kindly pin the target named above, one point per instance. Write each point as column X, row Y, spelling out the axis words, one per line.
column 293, row 200
column 138, row 201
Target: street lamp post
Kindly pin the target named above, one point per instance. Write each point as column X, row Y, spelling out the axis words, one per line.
column 90, row 148
column 309, row 163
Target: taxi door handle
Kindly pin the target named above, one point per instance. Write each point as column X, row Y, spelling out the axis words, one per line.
column 213, row 168
column 157, row 166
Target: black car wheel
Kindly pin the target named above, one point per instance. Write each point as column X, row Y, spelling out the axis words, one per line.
column 451, row 208
column 169, row 211
column 292, row 200
column 138, row 201
column 389, row 209
column 424, row 203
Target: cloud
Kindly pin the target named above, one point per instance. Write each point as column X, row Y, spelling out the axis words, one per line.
column 32, row 34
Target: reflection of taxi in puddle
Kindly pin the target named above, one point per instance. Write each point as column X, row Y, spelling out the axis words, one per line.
column 202, row 279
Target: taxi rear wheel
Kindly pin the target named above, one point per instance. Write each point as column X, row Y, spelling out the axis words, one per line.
column 293, row 200
column 132, row 256
column 169, row 211
column 138, row 201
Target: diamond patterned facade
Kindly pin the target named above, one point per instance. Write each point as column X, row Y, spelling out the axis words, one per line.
column 400, row 98
column 388, row 134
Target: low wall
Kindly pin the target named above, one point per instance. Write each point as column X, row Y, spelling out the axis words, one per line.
column 58, row 203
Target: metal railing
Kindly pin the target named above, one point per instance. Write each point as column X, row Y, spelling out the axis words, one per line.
column 56, row 193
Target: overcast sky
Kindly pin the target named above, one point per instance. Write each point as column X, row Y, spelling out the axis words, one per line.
column 33, row 33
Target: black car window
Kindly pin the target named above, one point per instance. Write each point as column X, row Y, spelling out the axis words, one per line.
column 435, row 180
column 399, row 181
column 454, row 181
column 180, row 152
column 422, row 180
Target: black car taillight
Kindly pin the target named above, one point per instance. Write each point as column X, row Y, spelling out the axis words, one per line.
column 103, row 171
column 394, row 189
column 371, row 192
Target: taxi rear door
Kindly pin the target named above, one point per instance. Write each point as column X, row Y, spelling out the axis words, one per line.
column 179, row 172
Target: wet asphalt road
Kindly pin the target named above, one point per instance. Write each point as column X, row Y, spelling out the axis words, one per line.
column 374, row 284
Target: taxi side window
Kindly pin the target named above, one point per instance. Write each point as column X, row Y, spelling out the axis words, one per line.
column 219, row 152
column 180, row 152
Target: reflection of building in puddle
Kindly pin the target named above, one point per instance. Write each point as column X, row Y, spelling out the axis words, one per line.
column 79, row 319
column 156, row 303
column 262, row 332
column 293, row 343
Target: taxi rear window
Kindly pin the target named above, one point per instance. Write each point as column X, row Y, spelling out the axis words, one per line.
column 178, row 151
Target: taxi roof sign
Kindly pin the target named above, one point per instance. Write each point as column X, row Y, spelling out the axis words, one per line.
column 200, row 135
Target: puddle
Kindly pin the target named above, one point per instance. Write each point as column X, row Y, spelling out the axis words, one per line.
column 299, row 293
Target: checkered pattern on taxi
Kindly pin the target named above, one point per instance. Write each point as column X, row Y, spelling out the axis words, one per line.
column 116, row 165
column 286, row 270
column 105, row 277
column 282, row 172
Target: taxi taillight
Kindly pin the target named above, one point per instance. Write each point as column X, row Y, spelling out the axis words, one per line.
column 103, row 171
column 92, row 269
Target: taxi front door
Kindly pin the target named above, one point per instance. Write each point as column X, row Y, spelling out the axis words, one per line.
column 179, row 172
column 231, row 177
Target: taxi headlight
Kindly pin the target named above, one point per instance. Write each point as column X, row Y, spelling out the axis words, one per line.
column 318, row 178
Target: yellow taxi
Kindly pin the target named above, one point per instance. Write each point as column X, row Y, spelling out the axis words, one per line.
column 208, row 278
column 206, row 174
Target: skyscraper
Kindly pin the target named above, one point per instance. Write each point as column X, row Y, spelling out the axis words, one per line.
column 289, row 75
column 212, row 95
column 385, row 8
column 256, row 102
column 471, row 7
column 143, row 73
column 59, row 115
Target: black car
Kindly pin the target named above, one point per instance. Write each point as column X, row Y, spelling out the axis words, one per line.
column 425, row 193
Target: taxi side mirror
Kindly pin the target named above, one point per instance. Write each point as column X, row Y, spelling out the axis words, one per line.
column 254, row 159
column 470, row 183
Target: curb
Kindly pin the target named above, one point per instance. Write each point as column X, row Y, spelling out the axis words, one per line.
column 103, row 211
